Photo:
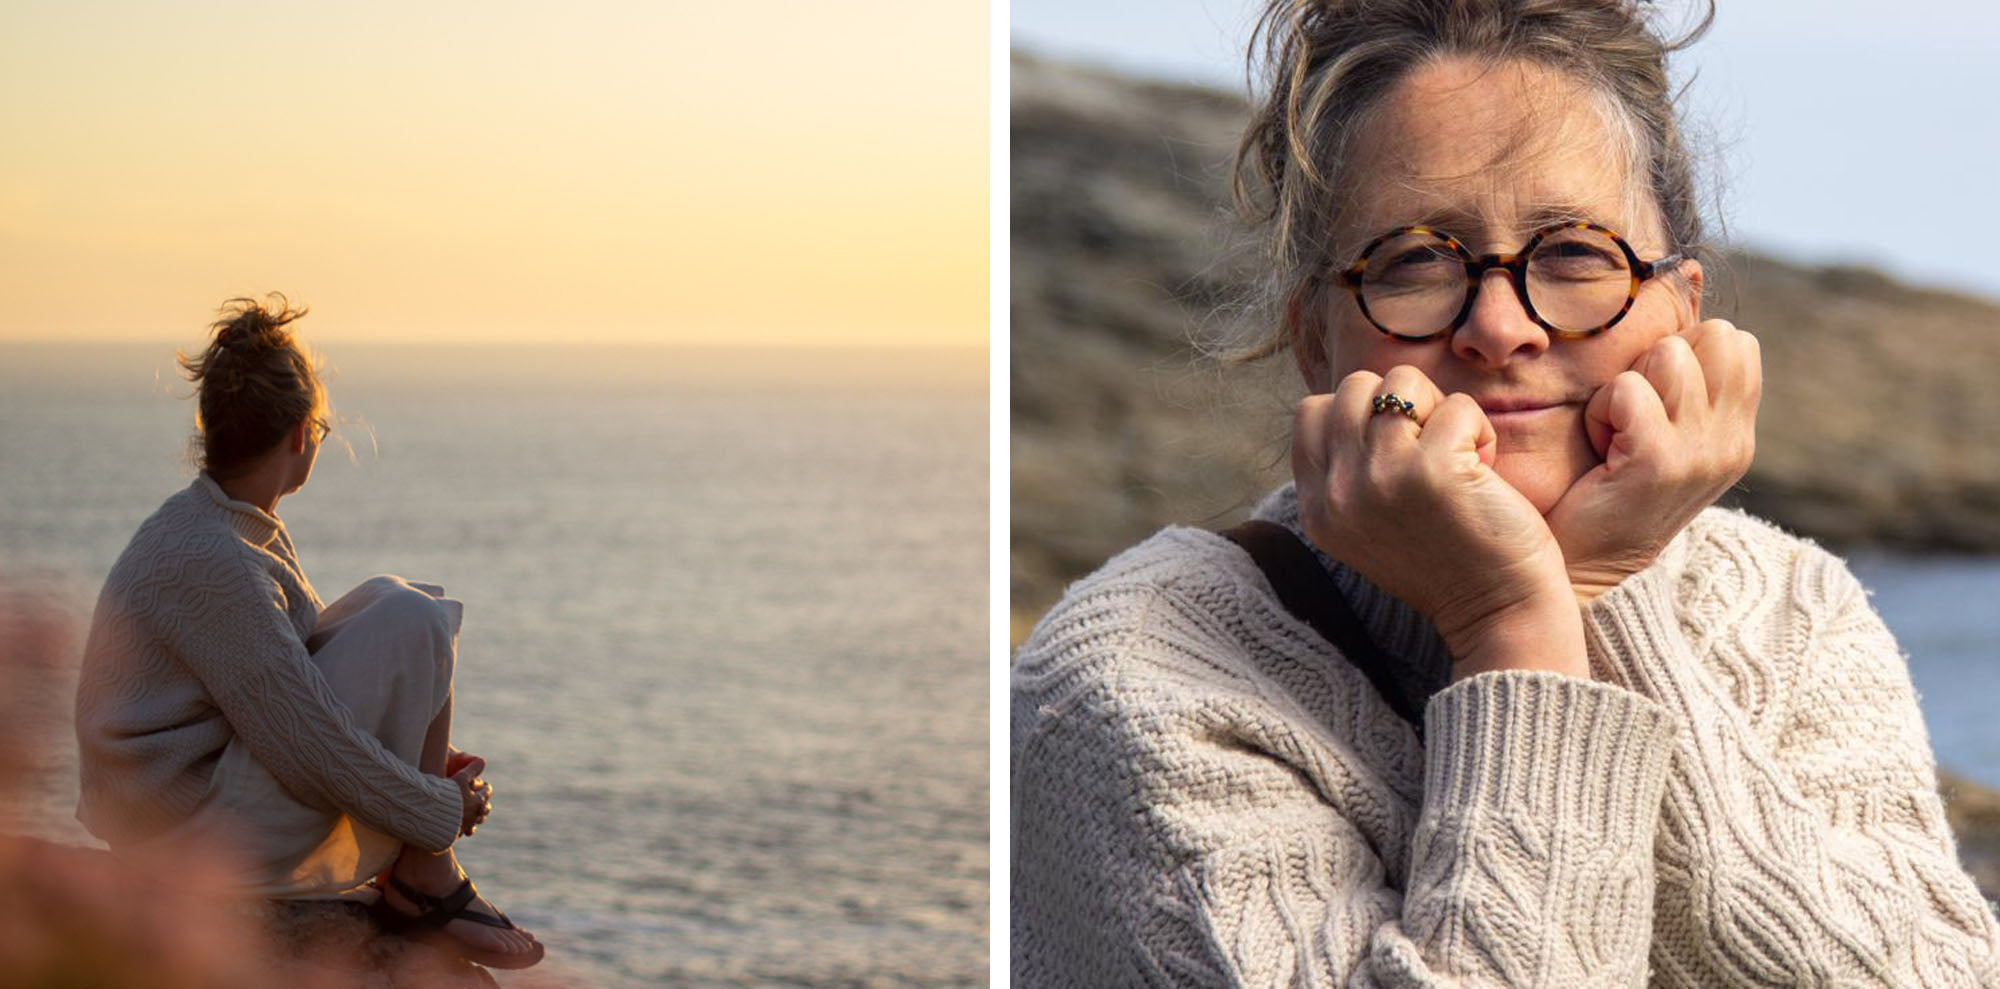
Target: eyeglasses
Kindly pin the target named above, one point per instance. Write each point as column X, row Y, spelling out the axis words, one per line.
column 1574, row 280
column 321, row 429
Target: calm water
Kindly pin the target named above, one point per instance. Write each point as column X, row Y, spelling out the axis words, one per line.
column 725, row 634
column 1942, row 611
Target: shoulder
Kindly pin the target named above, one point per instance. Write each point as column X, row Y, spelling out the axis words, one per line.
column 1174, row 648
column 1162, row 609
column 184, row 548
column 1174, row 731
column 182, row 526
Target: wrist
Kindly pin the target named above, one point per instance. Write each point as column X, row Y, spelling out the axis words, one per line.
column 1588, row 585
column 1543, row 634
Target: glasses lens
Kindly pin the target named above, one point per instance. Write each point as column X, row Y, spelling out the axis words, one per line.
column 1578, row 279
column 1413, row 283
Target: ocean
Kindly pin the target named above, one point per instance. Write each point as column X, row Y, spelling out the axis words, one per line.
column 725, row 644
column 1941, row 611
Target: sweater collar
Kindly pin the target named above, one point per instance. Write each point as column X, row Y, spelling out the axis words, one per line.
column 1397, row 628
column 253, row 524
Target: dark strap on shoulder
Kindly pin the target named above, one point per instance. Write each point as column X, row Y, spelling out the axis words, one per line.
column 1309, row 593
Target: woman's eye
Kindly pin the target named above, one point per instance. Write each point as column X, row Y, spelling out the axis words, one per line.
column 1576, row 259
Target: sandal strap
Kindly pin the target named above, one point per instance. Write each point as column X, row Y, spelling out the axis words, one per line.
column 454, row 903
column 433, row 912
column 422, row 900
column 498, row 920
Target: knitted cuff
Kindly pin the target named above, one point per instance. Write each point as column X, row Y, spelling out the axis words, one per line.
column 1634, row 619
column 440, row 818
column 1547, row 747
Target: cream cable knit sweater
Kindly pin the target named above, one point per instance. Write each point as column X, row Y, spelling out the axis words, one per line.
column 199, row 637
column 1743, row 795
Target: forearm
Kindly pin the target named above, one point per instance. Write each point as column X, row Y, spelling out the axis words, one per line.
column 298, row 729
column 276, row 701
column 1532, row 862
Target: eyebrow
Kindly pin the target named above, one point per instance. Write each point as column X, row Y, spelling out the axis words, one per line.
column 1458, row 219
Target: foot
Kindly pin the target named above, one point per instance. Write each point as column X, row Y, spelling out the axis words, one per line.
column 490, row 939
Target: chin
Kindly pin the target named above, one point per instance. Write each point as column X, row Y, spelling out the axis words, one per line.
column 1542, row 479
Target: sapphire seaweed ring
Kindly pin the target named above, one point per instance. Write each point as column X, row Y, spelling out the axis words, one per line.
column 1391, row 402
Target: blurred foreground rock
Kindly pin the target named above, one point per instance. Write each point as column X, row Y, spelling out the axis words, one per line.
column 1974, row 812
column 75, row 917
column 1880, row 423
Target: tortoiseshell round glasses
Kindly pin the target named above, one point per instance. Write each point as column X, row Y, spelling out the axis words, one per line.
column 1574, row 280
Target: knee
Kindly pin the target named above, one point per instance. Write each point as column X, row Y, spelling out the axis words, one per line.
column 397, row 601
column 388, row 609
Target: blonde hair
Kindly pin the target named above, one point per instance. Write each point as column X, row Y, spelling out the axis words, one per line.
column 254, row 383
column 1327, row 65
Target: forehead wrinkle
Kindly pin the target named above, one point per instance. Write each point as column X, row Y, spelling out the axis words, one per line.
column 1492, row 163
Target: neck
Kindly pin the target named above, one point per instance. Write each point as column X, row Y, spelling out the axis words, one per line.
column 262, row 486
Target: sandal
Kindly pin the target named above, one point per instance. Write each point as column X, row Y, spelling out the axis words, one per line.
column 433, row 912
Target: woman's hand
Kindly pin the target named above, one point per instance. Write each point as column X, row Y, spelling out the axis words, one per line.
column 456, row 759
column 1674, row 433
column 1416, row 508
column 475, row 795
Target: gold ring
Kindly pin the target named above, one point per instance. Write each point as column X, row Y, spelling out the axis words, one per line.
column 1391, row 402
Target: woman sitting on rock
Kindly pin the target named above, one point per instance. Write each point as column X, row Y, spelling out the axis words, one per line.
column 222, row 710
column 1492, row 695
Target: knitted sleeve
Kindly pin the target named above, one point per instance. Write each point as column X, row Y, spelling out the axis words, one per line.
column 1801, row 836
column 227, row 624
column 1182, row 829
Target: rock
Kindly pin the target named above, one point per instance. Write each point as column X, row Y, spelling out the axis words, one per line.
column 343, row 937
column 1974, row 813
column 76, row 916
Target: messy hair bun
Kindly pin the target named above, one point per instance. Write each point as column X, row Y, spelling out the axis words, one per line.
column 254, row 384
column 1326, row 64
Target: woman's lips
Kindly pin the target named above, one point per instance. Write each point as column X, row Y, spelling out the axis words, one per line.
column 1522, row 413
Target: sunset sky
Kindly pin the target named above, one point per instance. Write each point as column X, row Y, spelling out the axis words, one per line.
column 450, row 171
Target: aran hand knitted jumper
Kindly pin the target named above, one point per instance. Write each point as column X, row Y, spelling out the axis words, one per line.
column 1743, row 793
column 198, row 638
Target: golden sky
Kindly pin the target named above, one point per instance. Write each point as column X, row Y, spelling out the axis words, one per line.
column 441, row 170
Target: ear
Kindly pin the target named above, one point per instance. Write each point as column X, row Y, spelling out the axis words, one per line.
column 1691, row 271
column 296, row 440
column 1308, row 348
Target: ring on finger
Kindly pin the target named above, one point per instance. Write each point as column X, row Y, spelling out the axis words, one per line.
column 1393, row 403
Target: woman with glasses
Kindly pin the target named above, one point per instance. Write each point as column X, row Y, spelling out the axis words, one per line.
column 1491, row 694
column 224, row 715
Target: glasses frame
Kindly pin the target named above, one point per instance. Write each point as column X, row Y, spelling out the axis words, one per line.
column 322, row 428
column 1516, row 266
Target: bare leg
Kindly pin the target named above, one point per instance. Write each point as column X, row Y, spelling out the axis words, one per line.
column 437, row 742
column 438, row 874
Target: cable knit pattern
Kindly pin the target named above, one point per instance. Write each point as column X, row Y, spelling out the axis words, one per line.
column 1204, row 794
column 199, row 636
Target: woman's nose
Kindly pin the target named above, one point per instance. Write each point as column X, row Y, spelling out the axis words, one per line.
column 1498, row 329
